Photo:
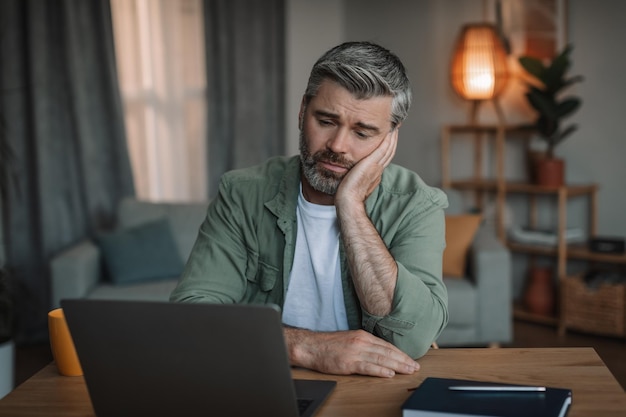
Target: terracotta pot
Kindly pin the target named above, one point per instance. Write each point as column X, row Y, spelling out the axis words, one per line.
column 540, row 295
column 550, row 172
column 532, row 156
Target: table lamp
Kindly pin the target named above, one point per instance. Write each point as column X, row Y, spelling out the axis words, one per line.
column 479, row 66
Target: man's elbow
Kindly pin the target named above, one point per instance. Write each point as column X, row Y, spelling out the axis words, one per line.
column 420, row 339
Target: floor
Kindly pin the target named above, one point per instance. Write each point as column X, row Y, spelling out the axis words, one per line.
column 29, row 359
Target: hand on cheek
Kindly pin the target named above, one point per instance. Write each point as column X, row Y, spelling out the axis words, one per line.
column 365, row 176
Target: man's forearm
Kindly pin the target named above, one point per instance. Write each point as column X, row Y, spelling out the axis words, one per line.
column 374, row 270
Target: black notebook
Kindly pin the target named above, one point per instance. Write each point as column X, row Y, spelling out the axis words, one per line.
column 437, row 397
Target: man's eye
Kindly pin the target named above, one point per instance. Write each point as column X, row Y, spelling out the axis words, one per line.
column 361, row 135
column 325, row 122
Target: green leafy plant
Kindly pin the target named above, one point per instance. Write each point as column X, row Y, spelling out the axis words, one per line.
column 545, row 97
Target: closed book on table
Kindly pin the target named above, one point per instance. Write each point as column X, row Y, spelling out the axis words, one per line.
column 440, row 397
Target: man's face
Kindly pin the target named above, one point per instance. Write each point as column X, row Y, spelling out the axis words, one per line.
column 337, row 131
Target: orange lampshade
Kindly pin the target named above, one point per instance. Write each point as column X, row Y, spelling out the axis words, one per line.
column 479, row 67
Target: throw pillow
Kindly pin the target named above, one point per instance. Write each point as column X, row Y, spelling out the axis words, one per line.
column 460, row 232
column 140, row 253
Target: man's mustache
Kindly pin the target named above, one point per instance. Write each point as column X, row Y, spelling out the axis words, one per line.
column 333, row 158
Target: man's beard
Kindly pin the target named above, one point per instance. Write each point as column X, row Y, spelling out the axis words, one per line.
column 321, row 179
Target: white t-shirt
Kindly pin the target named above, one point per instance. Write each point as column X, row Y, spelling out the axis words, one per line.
column 314, row 298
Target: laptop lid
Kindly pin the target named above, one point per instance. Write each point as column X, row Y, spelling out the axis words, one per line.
column 167, row 359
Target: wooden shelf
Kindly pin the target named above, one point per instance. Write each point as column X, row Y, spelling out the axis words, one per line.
column 576, row 251
column 520, row 313
column 532, row 249
column 572, row 190
column 498, row 185
column 489, row 128
column 582, row 252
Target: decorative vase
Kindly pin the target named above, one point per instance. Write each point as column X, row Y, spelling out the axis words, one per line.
column 532, row 156
column 539, row 297
column 550, row 172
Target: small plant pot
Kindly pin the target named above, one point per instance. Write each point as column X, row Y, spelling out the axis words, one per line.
column 532, row 156
column 550, row 172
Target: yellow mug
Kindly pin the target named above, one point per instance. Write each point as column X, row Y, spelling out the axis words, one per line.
column 62, row 345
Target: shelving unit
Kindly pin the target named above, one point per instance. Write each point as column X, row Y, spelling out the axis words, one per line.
column 477, row 182
column 500, row 187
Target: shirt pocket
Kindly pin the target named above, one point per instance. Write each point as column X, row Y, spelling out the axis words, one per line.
column 261, row 276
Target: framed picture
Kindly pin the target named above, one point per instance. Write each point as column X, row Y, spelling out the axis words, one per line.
column 536, row 28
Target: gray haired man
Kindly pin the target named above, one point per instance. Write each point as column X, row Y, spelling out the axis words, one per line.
column 348, row 245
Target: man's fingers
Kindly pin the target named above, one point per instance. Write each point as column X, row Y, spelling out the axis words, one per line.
column 382, row 353
column 390, row 150
column 402, row 364
column 365, row 176
column 371, row 369
column 384, row 367
column 386, row 149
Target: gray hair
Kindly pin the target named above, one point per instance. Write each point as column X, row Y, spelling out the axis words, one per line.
column 366, row 70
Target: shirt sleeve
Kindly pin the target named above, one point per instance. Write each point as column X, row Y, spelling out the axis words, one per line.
column 216, row 269
column 419, row 311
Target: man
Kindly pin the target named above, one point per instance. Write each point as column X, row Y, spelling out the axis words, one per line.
column 349, row 245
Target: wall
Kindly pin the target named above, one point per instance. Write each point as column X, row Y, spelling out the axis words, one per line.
column 312, row 28
column 419, row 33
column 597, row 150
column 423, row 32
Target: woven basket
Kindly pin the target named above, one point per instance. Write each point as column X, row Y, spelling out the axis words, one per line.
column 600, row 311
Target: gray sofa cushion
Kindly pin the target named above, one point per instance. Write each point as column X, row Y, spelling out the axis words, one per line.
column 185, row 219
column 139, row 253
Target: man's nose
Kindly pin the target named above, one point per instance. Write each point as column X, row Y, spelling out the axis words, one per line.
column 339, row 141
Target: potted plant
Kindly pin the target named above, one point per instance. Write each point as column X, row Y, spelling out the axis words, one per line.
column 545, row 95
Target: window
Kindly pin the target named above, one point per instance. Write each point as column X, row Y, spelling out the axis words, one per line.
column 160, row 59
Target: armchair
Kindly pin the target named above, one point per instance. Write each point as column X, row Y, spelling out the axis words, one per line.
column 479, row 303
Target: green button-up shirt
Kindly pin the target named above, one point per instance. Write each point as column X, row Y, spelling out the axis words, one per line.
column 245, row 249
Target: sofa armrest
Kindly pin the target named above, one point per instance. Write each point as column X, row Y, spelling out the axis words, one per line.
column 491, row 271
column 74, row 272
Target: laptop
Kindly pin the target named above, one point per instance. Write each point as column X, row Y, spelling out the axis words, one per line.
column 143, row 358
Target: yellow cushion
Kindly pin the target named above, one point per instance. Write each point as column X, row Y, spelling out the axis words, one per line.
column 460, row 231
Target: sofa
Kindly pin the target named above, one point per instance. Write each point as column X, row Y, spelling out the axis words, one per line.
column 88, row 269
column 479, row 299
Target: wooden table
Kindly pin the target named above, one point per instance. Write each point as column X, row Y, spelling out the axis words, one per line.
column 595, row 391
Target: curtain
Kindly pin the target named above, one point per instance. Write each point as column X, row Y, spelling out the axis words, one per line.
column 62, row 115
column 245, row 48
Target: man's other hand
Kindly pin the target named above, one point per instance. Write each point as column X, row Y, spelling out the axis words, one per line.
column 347, row 352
